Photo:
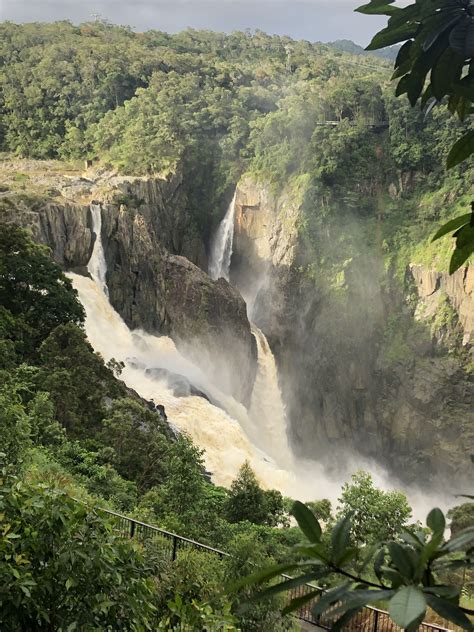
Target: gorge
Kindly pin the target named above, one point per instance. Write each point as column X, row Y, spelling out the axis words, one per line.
column 237, row 327
column 236, row 405
column 265, row 244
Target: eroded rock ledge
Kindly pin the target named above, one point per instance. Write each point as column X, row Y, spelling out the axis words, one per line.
column 433, row 286
column 153, row 253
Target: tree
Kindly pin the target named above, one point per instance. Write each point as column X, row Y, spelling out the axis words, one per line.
column 141, row 447
column 435, row 63
column 405, row 573
column 322, row 509
column 461, row 517
column 182, row 492
column 76, row 378
column 45, row 429
column 246, row 498
column 275, row 507
column 377, row 515
column 14, row 427
column 33, row 289
column 62, row 567
column 248, row 501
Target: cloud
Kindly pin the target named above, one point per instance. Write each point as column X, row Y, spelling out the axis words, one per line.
column 315, row 20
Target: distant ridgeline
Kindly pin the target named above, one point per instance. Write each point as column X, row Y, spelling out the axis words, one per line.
column 348, row 46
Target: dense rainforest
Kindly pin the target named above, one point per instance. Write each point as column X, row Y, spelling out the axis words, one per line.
column 372, row 343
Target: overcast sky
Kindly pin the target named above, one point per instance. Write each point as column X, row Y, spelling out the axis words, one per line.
column 314, row 20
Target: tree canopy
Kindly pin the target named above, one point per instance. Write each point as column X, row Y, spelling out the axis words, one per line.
column 435, row 64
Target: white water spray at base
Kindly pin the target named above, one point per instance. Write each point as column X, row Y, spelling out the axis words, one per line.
column 270, row 433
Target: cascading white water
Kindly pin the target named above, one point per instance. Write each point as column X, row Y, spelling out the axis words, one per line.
column 222, row 245
column 230, row 436
column 266, row 407
column 97, row 266
column 222, row 433
column 266, row 422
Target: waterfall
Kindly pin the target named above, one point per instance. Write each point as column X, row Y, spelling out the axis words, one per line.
column 229, row 434
column 266, row 422
column 266, row 408
column 223, row 432
column 222, row 245
column 97, row 266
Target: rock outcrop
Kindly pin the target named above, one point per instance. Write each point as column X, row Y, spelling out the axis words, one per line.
column 149, row 241
column 433, row 286
column 168, row 294
column 64, row 227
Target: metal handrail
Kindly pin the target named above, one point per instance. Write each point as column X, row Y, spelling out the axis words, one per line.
column 168, row 534
column 379, row 620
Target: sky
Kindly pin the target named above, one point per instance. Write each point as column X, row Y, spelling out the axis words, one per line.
column 314, row 20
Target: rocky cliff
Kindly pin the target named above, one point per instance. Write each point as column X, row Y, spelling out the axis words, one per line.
column 359, row 366
column 435, row 287
column 363, row 364
column 150, row 245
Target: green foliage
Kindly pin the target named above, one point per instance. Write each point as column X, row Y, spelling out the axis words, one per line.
column 322, row 509
column 91, row 468
column 140, row 446
column 407, row 572
column 463, row 232
column 435, row 63
column 61, row 567
column 376, row 516
column 33, row 290
column 189, row 616
column 14, row 427
column 246, row 552
column 461, row 517
column 76, row 378
column 183, row 488
column 194, row 577
column 248, row 501
column 246, row 498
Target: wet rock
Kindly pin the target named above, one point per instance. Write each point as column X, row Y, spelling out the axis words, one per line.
column 178, row 384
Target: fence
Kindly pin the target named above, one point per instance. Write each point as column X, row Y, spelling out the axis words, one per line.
column 367, row 620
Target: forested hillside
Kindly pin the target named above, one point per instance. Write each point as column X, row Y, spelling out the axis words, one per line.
column 216, row 106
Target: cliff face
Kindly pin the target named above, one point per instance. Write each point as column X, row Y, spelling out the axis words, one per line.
column 63, row 226
column 166, row 293
column 433, row 287
column 149, row 244
column 359, row 368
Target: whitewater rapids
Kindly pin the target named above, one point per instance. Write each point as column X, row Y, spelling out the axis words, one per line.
column 229, row 434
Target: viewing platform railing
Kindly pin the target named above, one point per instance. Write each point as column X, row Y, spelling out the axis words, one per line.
column 369, row 619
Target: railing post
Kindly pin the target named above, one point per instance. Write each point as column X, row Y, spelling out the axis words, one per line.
column 132, row 528
column 376, row 621
column 175, row 548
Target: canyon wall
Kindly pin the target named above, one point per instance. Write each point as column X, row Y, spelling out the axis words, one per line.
column 364, row 366
column 361, row 366
column 150, row 245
